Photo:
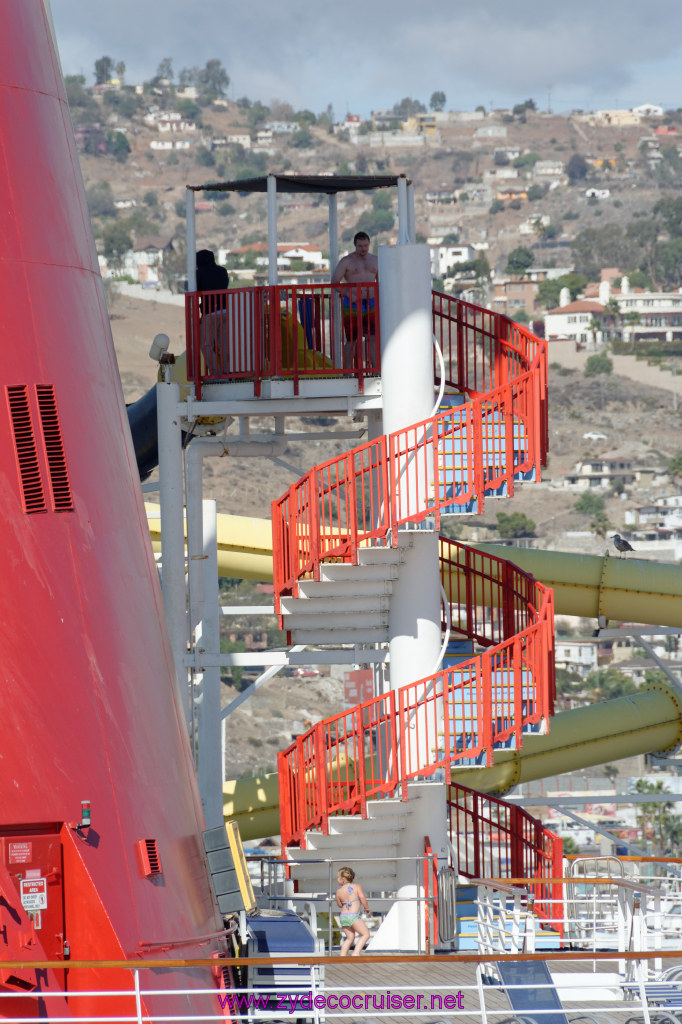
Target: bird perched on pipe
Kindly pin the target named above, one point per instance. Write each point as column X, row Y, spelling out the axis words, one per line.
column 621, row 545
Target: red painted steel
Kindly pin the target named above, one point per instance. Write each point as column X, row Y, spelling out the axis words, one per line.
column 297, row 331
column 495, row 839
column 88, row 697
column 439, row 465
column 428, row 726
column 361, row 498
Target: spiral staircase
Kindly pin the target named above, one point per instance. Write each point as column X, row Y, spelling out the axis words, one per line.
column 362, row 780
column 378, row 777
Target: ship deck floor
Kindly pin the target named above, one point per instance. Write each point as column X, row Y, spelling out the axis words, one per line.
column 450, row 978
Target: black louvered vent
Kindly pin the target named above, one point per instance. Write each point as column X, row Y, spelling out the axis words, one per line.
column 25, row 444
column 54, row 449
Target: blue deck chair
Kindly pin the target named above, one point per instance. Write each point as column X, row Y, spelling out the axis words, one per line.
column 533, row 997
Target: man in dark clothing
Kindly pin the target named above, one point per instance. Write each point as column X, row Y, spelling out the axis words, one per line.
column 211, row 278
column 213, row 310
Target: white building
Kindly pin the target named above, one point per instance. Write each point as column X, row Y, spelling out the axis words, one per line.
column 579, row 656
column 445, row 256
column 575, row 322
column 242, row 139
column 648, row 110
column 546, row 170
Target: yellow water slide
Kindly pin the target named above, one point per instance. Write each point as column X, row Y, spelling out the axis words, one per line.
column 614, row 588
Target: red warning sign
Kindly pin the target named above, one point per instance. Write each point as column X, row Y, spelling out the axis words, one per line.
column 20, row 853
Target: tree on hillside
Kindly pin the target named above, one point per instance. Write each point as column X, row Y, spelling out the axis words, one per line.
column 519, row 260
column 514, row 524
column 380, row 218
column 597, row 364
column 302, row 139
column 526, row 160
column 305, row 118
column 644, row 238
column 100, row 200
column 121, row 71
column 117, row 146
column 165, row 70
column 256, row 114
column 408, row 108
column 577, row 168
column 536, row 192
column 437, row 101
column 549, row 290
column 83, row 108
column 610, row 683
column 670, row 211
column 116, row 242
column 589, row 503
column 594, row 248
column 674, row 467
column 213, row 80
column 104, row 70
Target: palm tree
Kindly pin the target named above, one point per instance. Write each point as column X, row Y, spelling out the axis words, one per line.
column 612, row 318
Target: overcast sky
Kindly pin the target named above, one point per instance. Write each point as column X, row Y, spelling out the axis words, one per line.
column 361, row 55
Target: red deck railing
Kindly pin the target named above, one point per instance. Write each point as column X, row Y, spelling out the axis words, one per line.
column 494, row 839
column 298, row 331
column 453, row 717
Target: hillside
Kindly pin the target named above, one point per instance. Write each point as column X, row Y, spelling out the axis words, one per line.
column 472, row 162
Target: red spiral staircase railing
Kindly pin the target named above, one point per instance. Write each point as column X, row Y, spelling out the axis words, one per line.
column 495, row 839
column 362, row 498
column 456, row 716
column 364, row 495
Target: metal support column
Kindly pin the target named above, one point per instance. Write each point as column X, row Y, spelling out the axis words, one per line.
column 272, row 230
column 408, row 397
column 208, row 701
column 172, row 527
column 403, row 216
column 191, row 232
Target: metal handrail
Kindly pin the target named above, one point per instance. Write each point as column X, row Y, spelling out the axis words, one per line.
column 453, row 716
column 296, row 331
column 494, row 838
column 362, row 497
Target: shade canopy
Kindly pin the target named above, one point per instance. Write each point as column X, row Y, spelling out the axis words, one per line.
column 325, row 184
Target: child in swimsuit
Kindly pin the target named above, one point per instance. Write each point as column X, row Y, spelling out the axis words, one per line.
column 349, row 898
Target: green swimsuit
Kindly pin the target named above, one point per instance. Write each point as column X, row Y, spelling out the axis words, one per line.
column 348, row 919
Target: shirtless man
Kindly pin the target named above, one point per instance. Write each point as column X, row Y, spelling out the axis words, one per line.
column 359, row 317
column 357, row 266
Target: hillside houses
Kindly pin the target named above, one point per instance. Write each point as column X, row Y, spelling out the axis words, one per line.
column 614, row 471
column 577, row 321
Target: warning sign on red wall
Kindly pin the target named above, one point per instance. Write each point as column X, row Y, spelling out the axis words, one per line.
column 33, row 893
column 20, row 853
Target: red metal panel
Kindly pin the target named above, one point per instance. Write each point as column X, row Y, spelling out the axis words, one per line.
column 88, row 684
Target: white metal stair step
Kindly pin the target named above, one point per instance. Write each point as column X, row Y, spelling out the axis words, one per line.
column 343, row 620
column 381, row 556
column 338, row 604
column 310, row 589
column 321, row 638
column 345, row 571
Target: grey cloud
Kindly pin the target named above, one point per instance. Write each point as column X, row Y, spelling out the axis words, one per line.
column 370, row 54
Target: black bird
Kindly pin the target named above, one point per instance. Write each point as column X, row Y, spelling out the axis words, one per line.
column 621, row 545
